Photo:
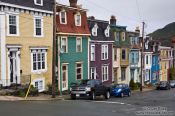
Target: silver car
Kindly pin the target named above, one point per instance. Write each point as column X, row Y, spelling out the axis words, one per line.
column 172, row 83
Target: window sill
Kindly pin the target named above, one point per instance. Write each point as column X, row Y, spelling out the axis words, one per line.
column 39, row 71
column 12, row 34
column 38, row 36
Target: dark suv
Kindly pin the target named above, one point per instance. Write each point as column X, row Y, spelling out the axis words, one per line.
column 89, row 88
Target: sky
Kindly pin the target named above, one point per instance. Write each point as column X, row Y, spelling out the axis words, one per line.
column 131, row 13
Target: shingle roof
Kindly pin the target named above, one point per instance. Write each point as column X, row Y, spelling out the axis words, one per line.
column 47, row 4
column 102, row 26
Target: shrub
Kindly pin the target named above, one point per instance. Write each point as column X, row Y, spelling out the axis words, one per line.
column 133, row 85
column 172, row 74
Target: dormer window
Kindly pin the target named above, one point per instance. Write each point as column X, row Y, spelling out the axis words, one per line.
column 123, row 36
column 146, row 45
column 63, row 17
column 107, row 31
column 94, row 30
column 38, row 2
column 78, row 19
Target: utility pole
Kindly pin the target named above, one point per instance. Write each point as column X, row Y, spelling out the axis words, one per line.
column 54, row 50
column 142, row 57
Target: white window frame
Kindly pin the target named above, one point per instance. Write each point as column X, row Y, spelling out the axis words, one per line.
column 107, row 31
column 38, row 80
column 94, row 30
column 81, row 70
column 64, row 17
column 35, row 1
column 38, row 51
column 80, row 44
column 75, row 17
column 66, row 43
column 93, row 71
column 42, row 26
column 92, row 53
column 17, row 24
column 104, row 52
column 105, row 73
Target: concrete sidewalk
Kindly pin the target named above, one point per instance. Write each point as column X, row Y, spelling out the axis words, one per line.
column 44, row 97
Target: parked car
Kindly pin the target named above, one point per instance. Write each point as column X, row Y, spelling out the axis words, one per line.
column 163, row 85
column 90, row 89
column 172, row 83
column 121, row 90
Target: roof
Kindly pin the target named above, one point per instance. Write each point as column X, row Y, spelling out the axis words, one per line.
column 47, row 4
column 102, row 26
column 70, row 27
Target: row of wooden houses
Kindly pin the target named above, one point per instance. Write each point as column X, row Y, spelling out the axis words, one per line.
column 87, row 48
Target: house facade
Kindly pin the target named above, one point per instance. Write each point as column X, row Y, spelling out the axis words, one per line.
column 147, row 60
column 166, row 62
column 135, row 55
column 155, row 69
column 100, row 52
column 73, row 41
column 26, row 32
column 121, row 69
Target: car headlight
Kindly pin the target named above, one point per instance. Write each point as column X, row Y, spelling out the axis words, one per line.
column 88, row 89
column 119, row 90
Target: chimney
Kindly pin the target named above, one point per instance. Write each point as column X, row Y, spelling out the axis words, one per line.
column 73, row 3
column 92, row 17
column 113, row 20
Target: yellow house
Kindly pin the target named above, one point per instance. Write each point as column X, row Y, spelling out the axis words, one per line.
column 165, row 58
column 26, row 32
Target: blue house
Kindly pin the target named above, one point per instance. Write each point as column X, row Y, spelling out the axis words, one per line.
column 155, row 68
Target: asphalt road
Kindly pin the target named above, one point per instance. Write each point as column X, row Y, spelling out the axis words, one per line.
column 153, row 101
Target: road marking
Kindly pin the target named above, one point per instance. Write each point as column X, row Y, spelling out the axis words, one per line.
column 110, row 102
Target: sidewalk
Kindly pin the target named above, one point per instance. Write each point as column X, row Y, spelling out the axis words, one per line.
column 43, row 97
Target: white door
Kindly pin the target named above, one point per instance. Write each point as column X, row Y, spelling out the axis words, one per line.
column 64, row 77
column 13, row 67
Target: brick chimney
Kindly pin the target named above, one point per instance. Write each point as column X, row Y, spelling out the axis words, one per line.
column 73, row 3
column 113, row 20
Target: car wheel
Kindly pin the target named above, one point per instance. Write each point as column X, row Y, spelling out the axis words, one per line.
column 122, row 95
column 129, row 94
column 73, row 97
column 107, row 96
column 92, row 95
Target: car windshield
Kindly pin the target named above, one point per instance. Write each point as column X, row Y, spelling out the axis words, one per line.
column 119, row 85
column 172, row 81
column 163, row 82
column 85, row 82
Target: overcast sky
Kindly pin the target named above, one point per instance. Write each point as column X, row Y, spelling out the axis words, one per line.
column 130, row 13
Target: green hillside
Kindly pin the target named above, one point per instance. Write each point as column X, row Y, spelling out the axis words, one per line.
column 165, row 34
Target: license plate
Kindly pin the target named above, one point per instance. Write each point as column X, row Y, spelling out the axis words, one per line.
column 77, row 95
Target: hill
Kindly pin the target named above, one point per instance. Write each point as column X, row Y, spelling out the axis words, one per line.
column 165, row 34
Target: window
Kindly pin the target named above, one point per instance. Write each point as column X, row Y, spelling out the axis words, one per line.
column 123, row 54
column 107, row 31
column 118, row 36
column 104, row 73
column 132, row 57
column 115, row 54
column 39, row 60
column 123, row 36
column 38, row 27
column 147, row 74
column 146, row 59
column 64, row 45
column 104, row 52
column 63, row 17
column 94, row 30
column 93, row 73
column 38, row 2
column 79, row 45
column 79, row 71
column 92, row 52
column 39, row 84
column 13, row 25
column 123, row 74
column 78, row 19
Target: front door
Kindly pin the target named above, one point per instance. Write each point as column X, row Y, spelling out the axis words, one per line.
column 65, row 77
column 13, row 67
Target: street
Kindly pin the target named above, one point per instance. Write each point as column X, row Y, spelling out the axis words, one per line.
column 127, row 106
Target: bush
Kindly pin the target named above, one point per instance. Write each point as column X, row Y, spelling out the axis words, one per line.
column 172, row 74
column 133, row 85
